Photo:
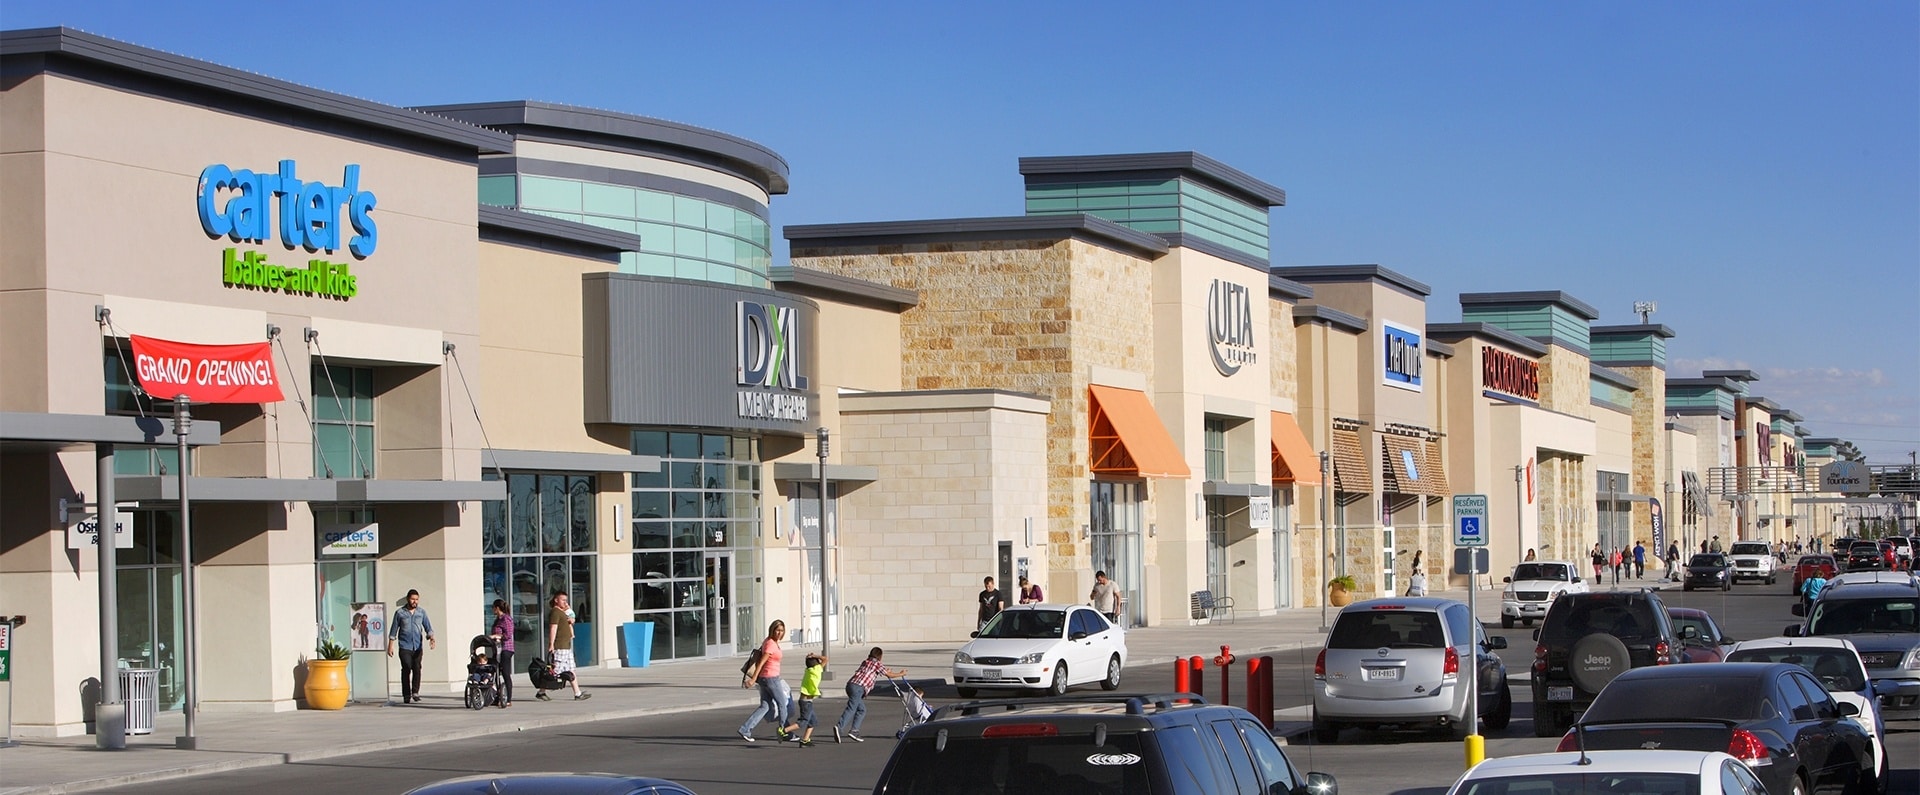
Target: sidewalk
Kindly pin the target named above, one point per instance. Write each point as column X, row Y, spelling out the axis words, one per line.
column 233, row 741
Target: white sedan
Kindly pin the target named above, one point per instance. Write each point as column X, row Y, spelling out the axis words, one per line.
column 1041, row 646
column 1702, row 772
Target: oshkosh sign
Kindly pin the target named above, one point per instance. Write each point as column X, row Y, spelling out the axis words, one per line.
column 1230, row 327
column 1504, row 372
column 766, row 347
column 246, row 206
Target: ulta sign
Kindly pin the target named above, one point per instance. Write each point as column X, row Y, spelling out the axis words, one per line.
column 241, row 205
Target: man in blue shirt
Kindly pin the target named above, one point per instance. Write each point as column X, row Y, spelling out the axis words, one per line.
column 410, row 624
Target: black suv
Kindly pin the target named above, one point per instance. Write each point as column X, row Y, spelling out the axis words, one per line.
column 1880, row 615
column 1159, row 744
column 1585, row 641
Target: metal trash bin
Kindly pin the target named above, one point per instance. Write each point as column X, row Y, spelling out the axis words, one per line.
column 140, row 691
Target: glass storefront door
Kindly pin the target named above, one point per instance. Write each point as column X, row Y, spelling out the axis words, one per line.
column 1114, row 514
column 719, row 574
column 343, row 585
column 148, row 600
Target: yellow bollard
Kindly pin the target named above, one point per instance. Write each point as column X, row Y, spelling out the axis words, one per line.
column 1476, row 750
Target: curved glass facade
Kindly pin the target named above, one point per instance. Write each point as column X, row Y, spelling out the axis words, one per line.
column 681, row 237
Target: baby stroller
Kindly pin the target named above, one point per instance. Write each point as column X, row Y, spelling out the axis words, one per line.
column 913, row 702
column 483, row 672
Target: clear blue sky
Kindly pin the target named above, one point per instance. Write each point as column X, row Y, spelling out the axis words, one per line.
column 1753, row 167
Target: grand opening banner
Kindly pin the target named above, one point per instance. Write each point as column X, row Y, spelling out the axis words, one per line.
column 206, row 373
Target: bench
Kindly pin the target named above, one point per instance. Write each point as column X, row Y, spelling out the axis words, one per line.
column 1205, row 605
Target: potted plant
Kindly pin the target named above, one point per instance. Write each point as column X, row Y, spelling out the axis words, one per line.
column 327, row 686
column 1340, row 590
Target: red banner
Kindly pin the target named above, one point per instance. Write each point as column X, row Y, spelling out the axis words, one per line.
column 206, row 373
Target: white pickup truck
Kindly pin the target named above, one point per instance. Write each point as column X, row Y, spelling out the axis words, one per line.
column 1752, row 560
column 1533, row 587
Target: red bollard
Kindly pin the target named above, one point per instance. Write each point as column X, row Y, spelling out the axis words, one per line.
column 1199, row 681
column 1260, row 690
column 1181, row 678
column 1253, row 688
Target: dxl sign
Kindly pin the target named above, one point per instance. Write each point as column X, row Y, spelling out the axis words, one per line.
column 1470, row 520
column 1230, row 327
column 766, row 344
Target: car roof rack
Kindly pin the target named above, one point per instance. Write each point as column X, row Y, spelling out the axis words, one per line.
column 1136, row 705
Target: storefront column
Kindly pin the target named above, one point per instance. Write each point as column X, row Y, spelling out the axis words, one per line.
column 435, row 548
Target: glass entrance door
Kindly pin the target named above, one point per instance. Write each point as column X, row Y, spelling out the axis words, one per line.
column 719, row 603
column 344, row 584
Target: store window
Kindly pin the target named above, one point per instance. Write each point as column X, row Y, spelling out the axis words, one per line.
column 151, row 618
column 1114, row 530
column 1215, row 433
column 696, row 561
column 342, row 422
column 680, row 236
column 346, row 585
column 538, row 542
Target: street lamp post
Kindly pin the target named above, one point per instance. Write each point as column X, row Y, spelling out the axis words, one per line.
column 190, row 652
column 1326, row 484
column 826, row 609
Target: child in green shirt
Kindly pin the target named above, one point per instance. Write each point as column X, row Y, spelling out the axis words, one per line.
column 809, row 690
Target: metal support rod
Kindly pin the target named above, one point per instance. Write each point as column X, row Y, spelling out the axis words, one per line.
column 190, row 650
column 110, row 714
column 1326, row 484
column 1519, row 509
column 826, row 563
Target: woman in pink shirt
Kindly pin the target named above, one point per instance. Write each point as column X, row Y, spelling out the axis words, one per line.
column 765, row 673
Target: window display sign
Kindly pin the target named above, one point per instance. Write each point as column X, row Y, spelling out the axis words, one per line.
column 367, row 630
column 206, row 373
column 350, row 539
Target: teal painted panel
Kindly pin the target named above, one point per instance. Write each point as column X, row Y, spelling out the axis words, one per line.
column 547, row 193
column 1156, row 226
column 689, row 211
column 652, row 205
column 656, row 237
column 498, row 191
column 1103, row 202
column 1050, row 192
column 1154, row 214
column 1204, row 195
column 1051, row 205
column 613, row 200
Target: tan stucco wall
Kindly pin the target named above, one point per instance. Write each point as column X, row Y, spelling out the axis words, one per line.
column 530, row 354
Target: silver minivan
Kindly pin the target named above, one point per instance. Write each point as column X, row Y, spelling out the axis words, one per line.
column 1398, row 663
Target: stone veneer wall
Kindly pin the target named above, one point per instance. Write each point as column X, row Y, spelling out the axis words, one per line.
column 1649, row 445
column 1283, row 366
column 957, row 474
column 1029, row 316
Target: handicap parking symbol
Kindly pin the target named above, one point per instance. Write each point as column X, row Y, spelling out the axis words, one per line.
column 1469, row 525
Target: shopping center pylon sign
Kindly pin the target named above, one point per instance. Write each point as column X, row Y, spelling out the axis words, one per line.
column 206, row 373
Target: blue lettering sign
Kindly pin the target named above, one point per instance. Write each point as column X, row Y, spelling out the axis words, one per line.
column 240, row 205
column 1401, row 356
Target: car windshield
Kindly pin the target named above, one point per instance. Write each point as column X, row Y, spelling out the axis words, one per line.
column 1026, row 624
column 1750, row 548
column 1837, row 669
column 1570, row 619
column 1540, row 571
column 1569, row 783
column 1390, row 629
column 1699, row 625
column 1024, row 760
column 1656, row 698
column 1849, row 616
column 1707, row 560
column 1860, row 547
column 1816, row 560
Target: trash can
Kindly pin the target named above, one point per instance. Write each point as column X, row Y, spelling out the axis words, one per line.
column 140, row 691
column 636, row 644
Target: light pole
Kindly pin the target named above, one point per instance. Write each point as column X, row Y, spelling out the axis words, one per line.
column 1519, row 495
column 826, row 610
column 1326, row 485
column 190, row 653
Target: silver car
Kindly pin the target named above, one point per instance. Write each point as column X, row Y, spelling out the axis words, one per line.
column 1399, row 663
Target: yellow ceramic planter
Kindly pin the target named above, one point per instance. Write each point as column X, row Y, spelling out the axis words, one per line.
column 327, row 686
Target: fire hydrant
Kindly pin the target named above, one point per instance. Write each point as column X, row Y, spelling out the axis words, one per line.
column 1225, row 659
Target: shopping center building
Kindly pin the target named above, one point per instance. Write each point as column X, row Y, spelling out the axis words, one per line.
column 525, row 348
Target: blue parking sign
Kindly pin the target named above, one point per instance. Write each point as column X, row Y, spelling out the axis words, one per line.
column 1470, row 520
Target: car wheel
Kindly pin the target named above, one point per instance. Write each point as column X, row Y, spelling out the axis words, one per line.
column 966, row 692
column 1546, row 721
column 1526, row 622
column 1502, row 712
column 1112, row 682
column 1686, row 586
column 1770, row 579
column 1325, row 732
column 1800, row 784
column 1506, row 622
column 1059, row 685
column 1596, row 659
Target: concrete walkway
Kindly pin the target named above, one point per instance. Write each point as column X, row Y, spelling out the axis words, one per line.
column 230, row 741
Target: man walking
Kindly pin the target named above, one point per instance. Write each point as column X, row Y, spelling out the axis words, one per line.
column 560, row 646
column 1639, row 560
column 1105, row 598
column 990, row 603
column 410, row 625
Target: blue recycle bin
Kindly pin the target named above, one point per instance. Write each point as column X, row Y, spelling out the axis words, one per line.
column 636, row 644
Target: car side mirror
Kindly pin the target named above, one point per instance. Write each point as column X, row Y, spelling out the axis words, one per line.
column 1536, row 634
column 1848, row 709
column 1077, row 636
column 1506, row 579
column 974, row 634
column 1496, row 642
column 1576, row 579
column 1799, row 610
column 1689, row 633
column 1792, row 631
column 1318, row 784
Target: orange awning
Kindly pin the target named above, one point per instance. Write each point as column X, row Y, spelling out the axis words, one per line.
column 1127, row 437
column 1293, row 459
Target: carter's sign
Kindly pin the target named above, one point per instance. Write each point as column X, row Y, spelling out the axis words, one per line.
column 1401, row 356
column 1230, row 327
column 247, row 206
column 766, row 350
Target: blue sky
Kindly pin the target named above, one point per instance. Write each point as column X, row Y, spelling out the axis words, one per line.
column 1753, row 167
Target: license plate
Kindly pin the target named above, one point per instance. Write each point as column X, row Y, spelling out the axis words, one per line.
column 1559, row 694
column 1532, row 609
column 990, row 673
column 1383, row 674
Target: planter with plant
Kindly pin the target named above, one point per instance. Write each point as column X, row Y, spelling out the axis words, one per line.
column 1340, row 590
column 327, row 685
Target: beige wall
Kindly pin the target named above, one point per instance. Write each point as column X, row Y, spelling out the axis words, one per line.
column 529, row 361
column 1327, row 389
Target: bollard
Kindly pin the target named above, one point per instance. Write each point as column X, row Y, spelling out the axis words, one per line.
column 1254, row 667
column 1476, row 750
column 1199, row 668
column 1180, row 675
column 1225, row 660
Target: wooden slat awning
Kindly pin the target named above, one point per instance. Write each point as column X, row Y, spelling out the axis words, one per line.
column 1293, row 458
column 1435, row 471
column 1127, row 437
column 1351, row 472
column 1400, row 465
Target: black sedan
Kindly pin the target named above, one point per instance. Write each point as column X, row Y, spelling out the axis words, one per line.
column 1865, row 556
column 1709, row 570
column 1773, row 716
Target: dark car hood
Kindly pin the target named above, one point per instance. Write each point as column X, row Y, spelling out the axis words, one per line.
column 1882, row 641
column 1659, row 735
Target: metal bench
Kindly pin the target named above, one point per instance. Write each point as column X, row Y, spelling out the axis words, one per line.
column 1205, row 605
